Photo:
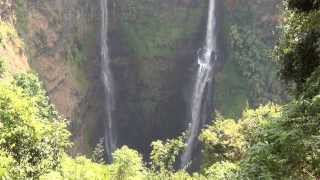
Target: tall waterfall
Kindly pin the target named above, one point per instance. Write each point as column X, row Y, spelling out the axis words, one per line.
column 109, row 137
column 207, row 57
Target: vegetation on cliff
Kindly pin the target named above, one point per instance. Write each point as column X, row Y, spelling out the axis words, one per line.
column 248, row 76
column 270, row 142
column 153, row 29
column 273, row 142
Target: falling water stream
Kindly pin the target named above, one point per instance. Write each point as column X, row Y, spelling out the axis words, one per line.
column 207, row 57
column 109, row 137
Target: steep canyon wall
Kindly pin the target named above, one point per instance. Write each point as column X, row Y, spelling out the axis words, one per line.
column 153, row 46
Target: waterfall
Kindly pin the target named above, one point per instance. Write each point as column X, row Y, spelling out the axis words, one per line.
column 207, row 57
column 109, row 137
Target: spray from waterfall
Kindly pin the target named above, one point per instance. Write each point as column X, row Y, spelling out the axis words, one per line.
column 207, row 57
column 109, row 137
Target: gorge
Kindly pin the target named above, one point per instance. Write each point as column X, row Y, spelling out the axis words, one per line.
column 141, row 67
column 137, row 88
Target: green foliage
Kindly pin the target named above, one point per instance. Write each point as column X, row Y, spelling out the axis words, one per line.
column 279, row 143
column 6, row 162
column 75, row 61
column 164, row 154
column 287, row 146
column 267, row 143
column 232, row 91
column 29, row 83
column 33, row 137
column 98, row 153
column 127, row 165
column 7, row 32
column 251, row 55
column 252, row 121
column 222, row 171
column 180, row 175
column 312, row 86
column 222, row 141
column 32, row 87
column 78, row 168
column 249, row 75
column 227, row 140
column 35, row 143
column 298, row 51
column 152, row 29
column 76, row 56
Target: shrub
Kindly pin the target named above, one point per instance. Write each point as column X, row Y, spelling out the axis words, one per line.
column 32, row 87
column 78, row 168
column 127, row 165
column 35, row 144
column 164, row 154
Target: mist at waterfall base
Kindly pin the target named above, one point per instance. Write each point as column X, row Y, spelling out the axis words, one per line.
column 206, row 59
column 109, row 137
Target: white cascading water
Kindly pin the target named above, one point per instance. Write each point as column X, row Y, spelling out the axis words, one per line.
column 203, row 77
column 109, row 137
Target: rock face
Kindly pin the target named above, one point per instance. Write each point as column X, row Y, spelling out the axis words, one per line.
column 12, row 51
column 61, row 38
column 153, row 46
column 153, row 51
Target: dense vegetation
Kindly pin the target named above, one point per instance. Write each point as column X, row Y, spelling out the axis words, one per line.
column 270, row 142
column 277, row 142
column 248, row 76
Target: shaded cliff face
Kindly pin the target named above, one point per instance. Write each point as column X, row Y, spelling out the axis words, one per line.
column 153, row 51
column 61, row 41
column 248, row 76
column 153, row 47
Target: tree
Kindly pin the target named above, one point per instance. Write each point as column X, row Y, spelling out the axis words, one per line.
column 98, row 153
column 34, row 143
column 164, row 154
column 127, row 165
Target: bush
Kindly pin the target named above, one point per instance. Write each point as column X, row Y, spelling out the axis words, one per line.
column 164, row 154
column 222, row 171
column 78, row 168
column 34, row 143
column 299, row 62
column 222, row 141
column 6, row 162
column 32, row 87
column 127, row 165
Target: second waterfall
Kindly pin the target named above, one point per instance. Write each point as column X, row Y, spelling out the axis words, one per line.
column 109, row 137
column 207, row 56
